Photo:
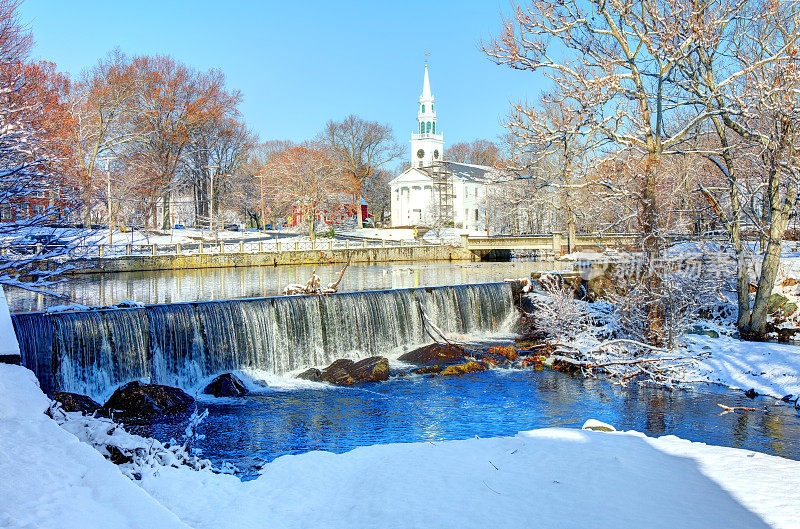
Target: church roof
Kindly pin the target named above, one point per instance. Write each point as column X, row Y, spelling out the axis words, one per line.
column 472, row 172
column 478, row 174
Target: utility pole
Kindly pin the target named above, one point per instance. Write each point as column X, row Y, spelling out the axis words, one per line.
column 211, row 230
column 263, row 213
column 108, row 196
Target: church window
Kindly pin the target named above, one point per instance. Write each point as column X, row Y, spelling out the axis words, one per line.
column 422, row 128
column 434, row 127
column 423, row 109
column 428, row 128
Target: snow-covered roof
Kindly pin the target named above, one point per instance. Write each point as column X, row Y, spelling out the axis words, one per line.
column 479, row 174
column 473, row 172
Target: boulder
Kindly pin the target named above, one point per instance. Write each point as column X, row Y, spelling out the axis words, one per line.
column 428, row 370
column 338, row 373
column 345, row 372
column 75, row 402
column 313, row 374
column 135, row 399
column 461, row 369
column 226, row 385
column 372, row 369
column 776, row 301
column 788, row 309
column 434, row 354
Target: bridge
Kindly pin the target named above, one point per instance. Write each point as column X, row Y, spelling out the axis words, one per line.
column 555, row 243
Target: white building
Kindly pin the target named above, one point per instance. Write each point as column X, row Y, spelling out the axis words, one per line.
column 415, row 199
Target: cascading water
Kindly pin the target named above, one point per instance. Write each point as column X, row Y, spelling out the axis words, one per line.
column 91, row 352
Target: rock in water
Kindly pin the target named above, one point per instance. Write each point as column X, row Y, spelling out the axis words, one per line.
column 597, row 426
column 427, row 370
column 313, row 374
column 461, row 369
column 372, row 369
column 339, row 373
column 344, row 372
column 751, row 393
column 226, row 385
column 135, row 399
column 434, row 353
column 76, row 402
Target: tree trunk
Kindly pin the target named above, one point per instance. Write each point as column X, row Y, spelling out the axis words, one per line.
column 311, row 221
column 166, row 217
column 778, row 218
column 571, row 232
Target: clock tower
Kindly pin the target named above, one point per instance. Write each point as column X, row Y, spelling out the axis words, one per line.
column 427, row 144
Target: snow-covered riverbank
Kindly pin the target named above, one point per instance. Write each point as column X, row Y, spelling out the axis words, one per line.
column 552, row 477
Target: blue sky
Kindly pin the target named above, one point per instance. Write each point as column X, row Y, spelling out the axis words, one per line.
column 299, row 64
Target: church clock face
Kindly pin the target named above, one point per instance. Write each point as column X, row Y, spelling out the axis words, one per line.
column 436, row 154
column 420, row 153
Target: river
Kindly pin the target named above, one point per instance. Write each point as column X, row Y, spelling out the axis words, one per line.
column 209, row 284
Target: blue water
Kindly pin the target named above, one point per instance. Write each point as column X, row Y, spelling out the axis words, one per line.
column 254, row 430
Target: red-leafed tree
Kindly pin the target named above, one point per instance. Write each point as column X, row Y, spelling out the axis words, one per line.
column 311, row 179
column 37, row 166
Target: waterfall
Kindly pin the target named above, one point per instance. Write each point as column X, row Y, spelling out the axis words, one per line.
column 92, row 352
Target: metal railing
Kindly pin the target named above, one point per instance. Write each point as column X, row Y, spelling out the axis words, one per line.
column 90, row 251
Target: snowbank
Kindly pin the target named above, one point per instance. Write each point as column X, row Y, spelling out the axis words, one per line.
column 769, row 368
column 549, row 478
column 52, row 480
column 8, row 345
column 552, row 477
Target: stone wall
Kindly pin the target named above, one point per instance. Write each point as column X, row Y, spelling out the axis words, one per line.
column 222, row 260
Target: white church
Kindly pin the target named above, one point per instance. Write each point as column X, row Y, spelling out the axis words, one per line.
column 419, row 192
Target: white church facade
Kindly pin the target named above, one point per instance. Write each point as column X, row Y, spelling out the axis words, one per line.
column 415, row 199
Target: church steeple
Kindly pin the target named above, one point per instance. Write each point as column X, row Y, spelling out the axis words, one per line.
column 427, row 145
column 426, row 86
column 426, row 117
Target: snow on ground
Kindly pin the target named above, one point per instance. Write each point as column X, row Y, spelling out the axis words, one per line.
column 587, row 255
column 769, row 368
column 51, row 480
column 552, row 477
column 9, row 344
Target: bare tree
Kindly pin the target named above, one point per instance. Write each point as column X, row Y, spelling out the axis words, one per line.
column 101, row 110
column 363, row 147
column 747, row 70
column 621, row 67
column 478, row 152
column 37, row 164
column 310, row 179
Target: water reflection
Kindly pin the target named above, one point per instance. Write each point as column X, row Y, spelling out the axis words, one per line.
column 208, row 284
column 265, row 426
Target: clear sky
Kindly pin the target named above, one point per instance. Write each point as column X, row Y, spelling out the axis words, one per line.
column 299, row 64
